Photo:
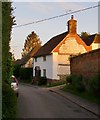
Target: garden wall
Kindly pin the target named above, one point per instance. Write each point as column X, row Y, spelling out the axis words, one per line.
column 87, row 64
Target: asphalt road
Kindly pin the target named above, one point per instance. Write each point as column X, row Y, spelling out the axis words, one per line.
column 35, row 102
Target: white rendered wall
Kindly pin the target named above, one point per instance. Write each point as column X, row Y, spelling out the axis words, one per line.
column 63, row 65
column 71, row 46
column 44, row 65
column 95, row 46
column 63, row 70
column 63, row 59
column 55, row 66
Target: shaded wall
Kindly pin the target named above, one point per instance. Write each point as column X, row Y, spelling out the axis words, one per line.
column 87, row 64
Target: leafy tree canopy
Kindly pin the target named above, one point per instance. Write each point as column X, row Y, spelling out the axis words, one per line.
column 31, row 41
column 84, row 35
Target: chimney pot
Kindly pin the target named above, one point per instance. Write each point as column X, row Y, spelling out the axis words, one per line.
column 72, row 16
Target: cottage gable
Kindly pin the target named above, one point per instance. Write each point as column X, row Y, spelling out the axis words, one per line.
column 93, row 40
column 72, row 44
column 97, row 39
column 96, row 42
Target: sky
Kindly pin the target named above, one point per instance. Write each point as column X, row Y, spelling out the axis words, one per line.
column 27, row 11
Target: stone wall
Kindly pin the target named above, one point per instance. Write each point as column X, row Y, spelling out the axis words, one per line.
column 87, row 64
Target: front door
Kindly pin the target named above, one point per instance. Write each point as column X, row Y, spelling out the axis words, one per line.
column 37, row 71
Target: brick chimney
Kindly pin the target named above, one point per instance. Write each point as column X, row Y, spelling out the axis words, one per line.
column 72, row 25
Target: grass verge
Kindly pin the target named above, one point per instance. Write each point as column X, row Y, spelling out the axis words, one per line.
column 56, row 84
column 86, row 95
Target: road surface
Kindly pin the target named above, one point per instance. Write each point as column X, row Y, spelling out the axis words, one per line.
column 36, row 102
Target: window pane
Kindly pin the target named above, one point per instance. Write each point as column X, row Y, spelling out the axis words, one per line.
column 44, row 72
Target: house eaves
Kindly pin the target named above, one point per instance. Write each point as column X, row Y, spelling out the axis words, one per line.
column 25, row 59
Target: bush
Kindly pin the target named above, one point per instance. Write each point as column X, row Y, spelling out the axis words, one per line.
column 75, row 82
column 9, row 102
column 94, row 85
column 57, row 83
column 16, row 70
column 69, row 79
column 42, row 81
column 26, row 73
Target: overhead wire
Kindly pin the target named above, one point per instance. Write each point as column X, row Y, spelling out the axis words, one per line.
column 42, row 20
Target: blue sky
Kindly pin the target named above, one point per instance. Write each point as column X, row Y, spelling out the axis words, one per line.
column 26, row 12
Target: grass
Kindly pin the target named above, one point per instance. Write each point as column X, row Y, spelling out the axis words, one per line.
column 56, row 84
column 86, row 95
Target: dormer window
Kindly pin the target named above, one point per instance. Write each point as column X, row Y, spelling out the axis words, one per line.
column 44, row 58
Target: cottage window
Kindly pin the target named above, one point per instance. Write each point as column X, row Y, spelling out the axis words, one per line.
column 35, row 59
column 37, row 71
column 44, row 58
column 44, row 72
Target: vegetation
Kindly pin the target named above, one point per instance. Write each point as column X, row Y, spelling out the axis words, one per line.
column 56, row 84
column 75, row 85
column 42, row 80
column 94, row 85
column 85, row 95
column 84, row 35
column 9, row 103
column 25, row 75
column 75, row 82
column 8, row 96
column 31, row 41
column 16, row 70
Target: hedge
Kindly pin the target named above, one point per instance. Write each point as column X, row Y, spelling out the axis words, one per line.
column 75, row 82
column 26, row 74
column 9, row 102
column 94, row 85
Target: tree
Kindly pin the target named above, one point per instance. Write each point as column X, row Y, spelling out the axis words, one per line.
column 31, row 41
column 84, row 35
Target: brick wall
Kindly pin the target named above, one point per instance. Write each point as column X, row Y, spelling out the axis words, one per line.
column 87, row 65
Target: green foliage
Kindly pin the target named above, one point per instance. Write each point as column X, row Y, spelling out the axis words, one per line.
column 69, row 79
column 9, row 101
column 42, row 80
column 84, row 35
column 26, row 73
column 7, row 22
column 16, row 70
column 31, row 41
column 75, row 82
column 94, row 85
column 85, row 95
column 78, row 83
column 9, row 68
column 56, row 83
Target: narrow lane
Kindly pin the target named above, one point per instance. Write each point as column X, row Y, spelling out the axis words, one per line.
column 35, row 102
